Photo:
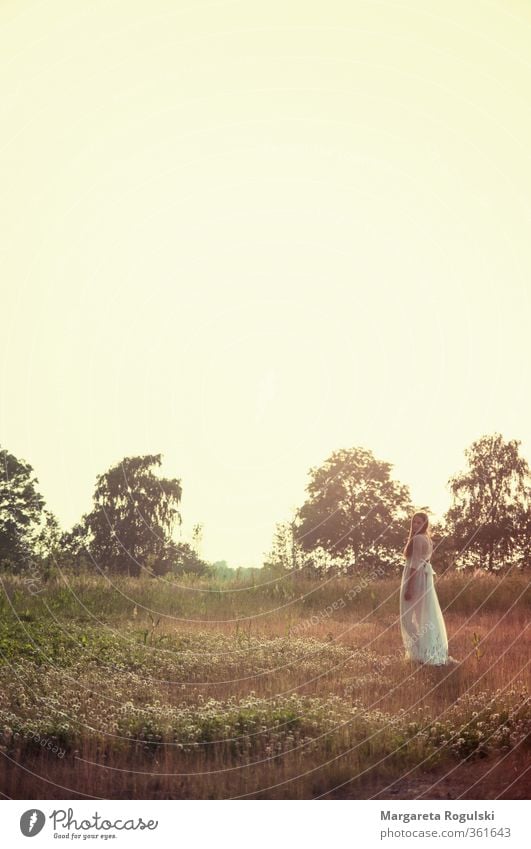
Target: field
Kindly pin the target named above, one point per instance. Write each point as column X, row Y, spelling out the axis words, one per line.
column 148, row 688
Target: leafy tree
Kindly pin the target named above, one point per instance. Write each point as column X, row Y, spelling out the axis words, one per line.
column 181, row 558
column 22, row 512
column 133, row 517
column 354, row 512
column 489, row 520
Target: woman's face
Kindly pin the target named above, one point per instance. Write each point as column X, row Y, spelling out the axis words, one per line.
column 418, row 522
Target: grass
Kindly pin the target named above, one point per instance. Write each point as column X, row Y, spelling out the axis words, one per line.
column 148, row 688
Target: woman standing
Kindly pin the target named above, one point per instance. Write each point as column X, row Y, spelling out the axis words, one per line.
column 421, row 620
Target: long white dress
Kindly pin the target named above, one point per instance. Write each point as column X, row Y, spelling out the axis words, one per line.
column 421, row 620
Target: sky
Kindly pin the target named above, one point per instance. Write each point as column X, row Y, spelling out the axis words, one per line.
column 245, row 235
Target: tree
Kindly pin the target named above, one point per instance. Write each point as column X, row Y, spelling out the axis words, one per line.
column 354, row 511
column 133, row 518
column 488, row 520
column 22, row 513
column 181, row 559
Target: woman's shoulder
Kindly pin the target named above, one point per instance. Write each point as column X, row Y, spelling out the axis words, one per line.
column 421, row 539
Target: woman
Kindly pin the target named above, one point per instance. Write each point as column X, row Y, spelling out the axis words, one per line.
column 421, row 620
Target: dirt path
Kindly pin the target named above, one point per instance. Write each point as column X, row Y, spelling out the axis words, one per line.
column 489, row 778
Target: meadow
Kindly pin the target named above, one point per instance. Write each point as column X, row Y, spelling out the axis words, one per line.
column 115, row 687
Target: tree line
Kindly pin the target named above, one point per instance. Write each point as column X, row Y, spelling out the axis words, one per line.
column 355, row 517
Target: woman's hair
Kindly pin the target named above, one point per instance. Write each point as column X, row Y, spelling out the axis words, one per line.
column 424, row 529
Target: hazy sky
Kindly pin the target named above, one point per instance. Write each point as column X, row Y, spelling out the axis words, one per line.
column 247, row 234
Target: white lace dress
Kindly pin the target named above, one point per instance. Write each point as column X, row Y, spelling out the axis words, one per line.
column 421, row 620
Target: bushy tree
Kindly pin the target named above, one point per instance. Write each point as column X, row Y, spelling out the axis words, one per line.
column 133, row 518
column 27, row 529
column 489, row 519
column 355, row 511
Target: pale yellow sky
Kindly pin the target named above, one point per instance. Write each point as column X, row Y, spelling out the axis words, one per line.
column 247, row 234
